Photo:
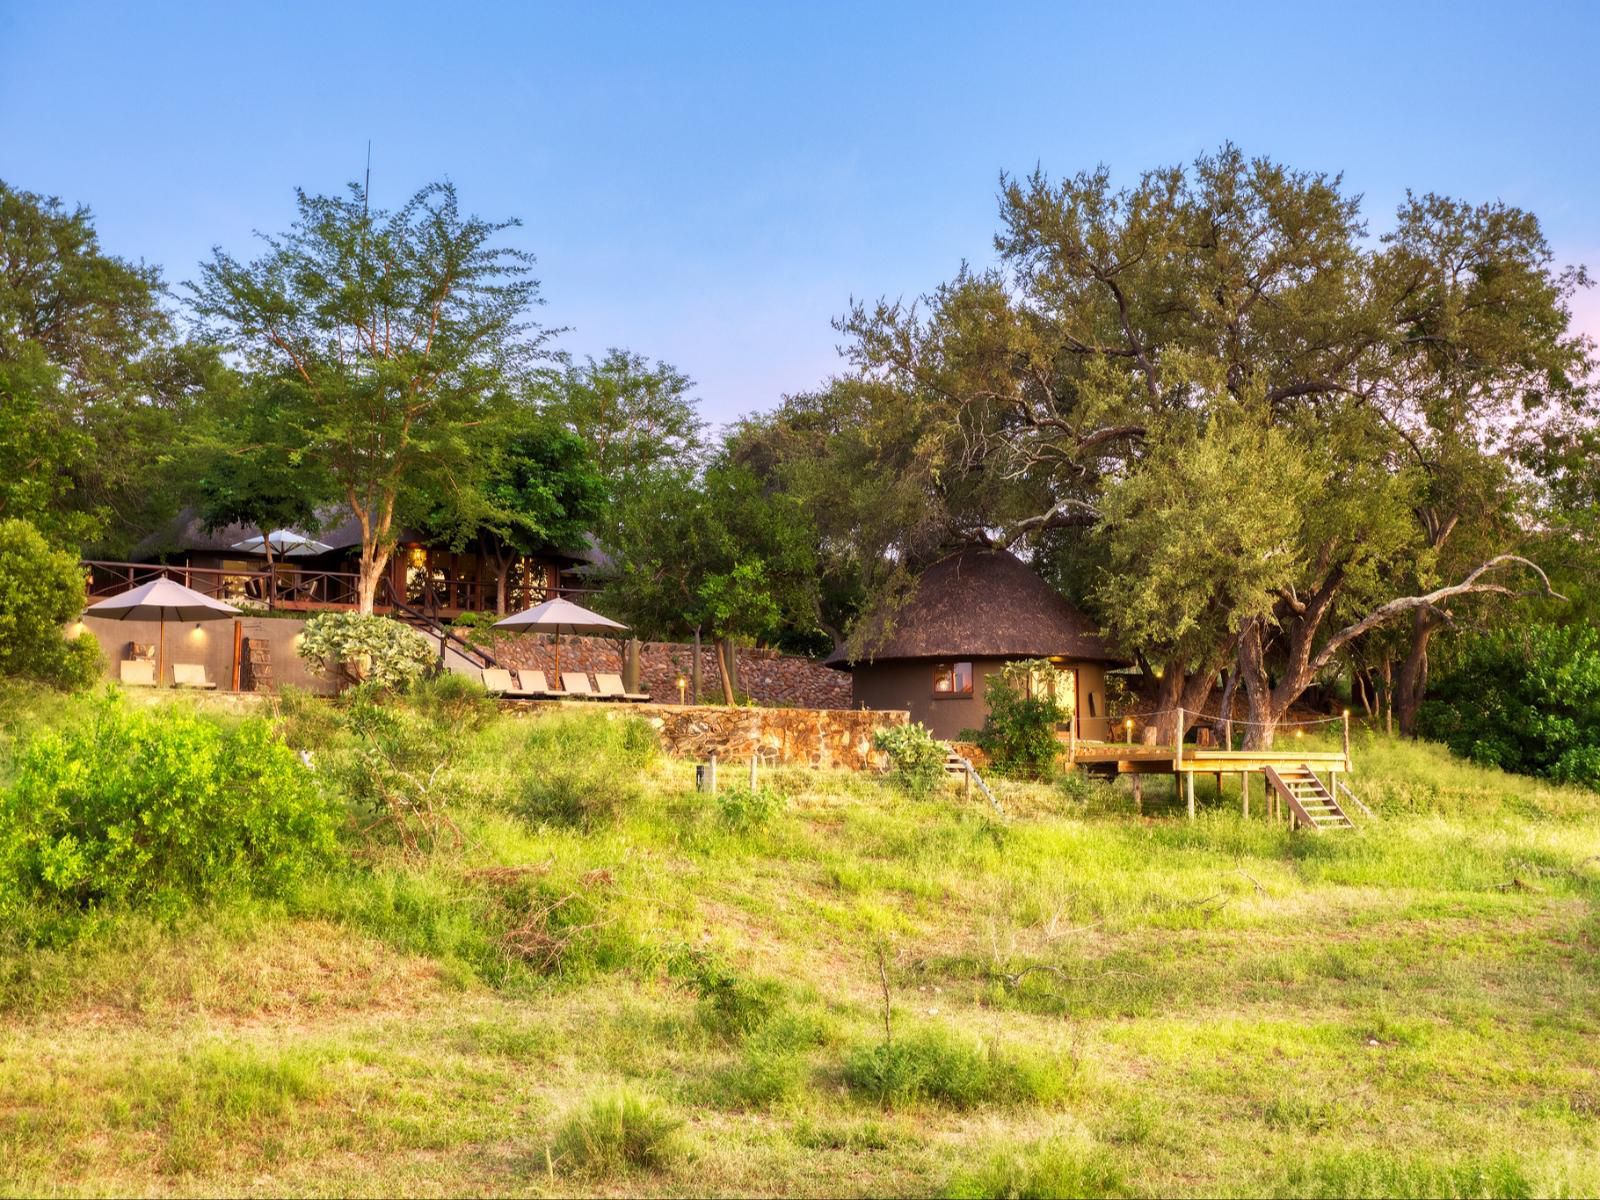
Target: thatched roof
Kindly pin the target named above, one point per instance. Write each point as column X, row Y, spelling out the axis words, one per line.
column 982, row 603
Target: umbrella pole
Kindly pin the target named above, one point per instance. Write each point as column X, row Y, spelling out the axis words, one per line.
column 161, row 646
column 558, row 661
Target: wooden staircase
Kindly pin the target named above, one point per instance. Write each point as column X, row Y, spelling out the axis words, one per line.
column 1309, row 800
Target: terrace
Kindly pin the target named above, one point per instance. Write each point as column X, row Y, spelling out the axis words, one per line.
column 290, row 587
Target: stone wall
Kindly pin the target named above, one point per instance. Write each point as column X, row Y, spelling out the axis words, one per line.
column 766, row 676
column 816, row 737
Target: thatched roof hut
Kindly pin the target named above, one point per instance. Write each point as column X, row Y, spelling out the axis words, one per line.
column 966, row 617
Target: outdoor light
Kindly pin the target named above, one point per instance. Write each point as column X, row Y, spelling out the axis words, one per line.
column 682, row 683
column 1128, row 725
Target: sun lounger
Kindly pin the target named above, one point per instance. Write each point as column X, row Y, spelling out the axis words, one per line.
column 138, row 672
column 191, row 675
column 534, row 684
column 609, row 687
column 576, row 683
column 499, row 682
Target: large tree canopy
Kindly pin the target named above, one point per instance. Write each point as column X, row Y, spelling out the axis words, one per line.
column 1296, row 433
column 400, row 334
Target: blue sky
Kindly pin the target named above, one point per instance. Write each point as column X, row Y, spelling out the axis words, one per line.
column 711, row 184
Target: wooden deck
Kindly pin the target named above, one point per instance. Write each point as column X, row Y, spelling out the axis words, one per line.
column 1142, row 759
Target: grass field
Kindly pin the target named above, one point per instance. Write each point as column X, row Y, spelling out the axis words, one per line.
column 828, row 989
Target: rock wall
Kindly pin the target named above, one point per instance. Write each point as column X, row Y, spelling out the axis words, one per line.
column 815, row 737
column 766, row 676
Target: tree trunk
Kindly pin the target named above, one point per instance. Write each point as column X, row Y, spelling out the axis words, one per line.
column 1261, row 715
column 1387, row 699
column 1413, row 682
column 369, row 574
column 724, row 653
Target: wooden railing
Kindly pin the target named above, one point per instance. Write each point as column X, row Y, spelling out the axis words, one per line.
column 296, row 588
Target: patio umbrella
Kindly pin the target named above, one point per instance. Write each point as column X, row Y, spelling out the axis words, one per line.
column 559, row 616
column 285, row 542
column 156, row 601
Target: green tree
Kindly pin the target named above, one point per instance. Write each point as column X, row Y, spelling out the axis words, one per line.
column 1237, row 288
column 256, row 476
column 636, row 417
column 714, row 553
column 538, row 490
column 96, row 392
column 41, row 590
column 400, row 334
column 1526, row 700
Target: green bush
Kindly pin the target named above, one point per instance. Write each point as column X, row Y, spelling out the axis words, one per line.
column 158, row 807
column 730, row 1006
column 1019, row 732
column 584, row 771
column 1044, row 1171
column 936, row 1065
column 1525, row 700
column 41, row 590
column 916, row 756
column 618, row 1132
column 742, row 809
column 365, row 648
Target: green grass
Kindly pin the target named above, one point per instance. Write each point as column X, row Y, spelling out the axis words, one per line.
column 1082, row 1001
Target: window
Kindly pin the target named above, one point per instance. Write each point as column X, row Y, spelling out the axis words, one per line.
column 952, row 679
column 1092, row 712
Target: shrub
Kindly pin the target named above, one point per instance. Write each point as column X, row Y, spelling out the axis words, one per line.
column 41, row 590
column 1525, row 699
column 730, row 1006
column 742, row 809
column 365, row 648
column 1043, row 1171
column 916, row 756
column 453, row 701
column 583, row 771
column 619, row 1132
column 938, row 1066
column 1019, row 732
column 771, row 1066
column 161, row 807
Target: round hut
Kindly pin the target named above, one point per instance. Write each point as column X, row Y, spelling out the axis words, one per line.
column 966, row 617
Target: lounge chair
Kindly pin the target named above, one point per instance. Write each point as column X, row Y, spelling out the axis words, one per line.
column 191, row 675
column 499, row 682
column 534, row 684
column 609, row 687
column 138, row 672
column 576, row 683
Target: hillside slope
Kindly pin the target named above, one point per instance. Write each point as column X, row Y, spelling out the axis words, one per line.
column 691, row 998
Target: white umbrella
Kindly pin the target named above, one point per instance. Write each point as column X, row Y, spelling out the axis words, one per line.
column 283, row 541
column 559, row 616
column 156, row 601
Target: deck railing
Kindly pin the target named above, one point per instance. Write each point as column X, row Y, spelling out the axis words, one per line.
column 298, row 589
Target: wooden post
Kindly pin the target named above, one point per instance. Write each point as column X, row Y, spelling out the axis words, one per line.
column 1227, row 733
column 1347, row 739
column 1177, row 744
column 694, row 670
column 1138, row 793
column 238, row 643
column 1244, row 793
column 712, row 773
column 1188, row 791
column 752, row 772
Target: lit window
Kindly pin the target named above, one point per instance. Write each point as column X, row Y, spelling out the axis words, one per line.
column 952, row 679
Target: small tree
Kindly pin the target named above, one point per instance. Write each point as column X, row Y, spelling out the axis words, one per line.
column 1019, row 733
column 41, row 590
